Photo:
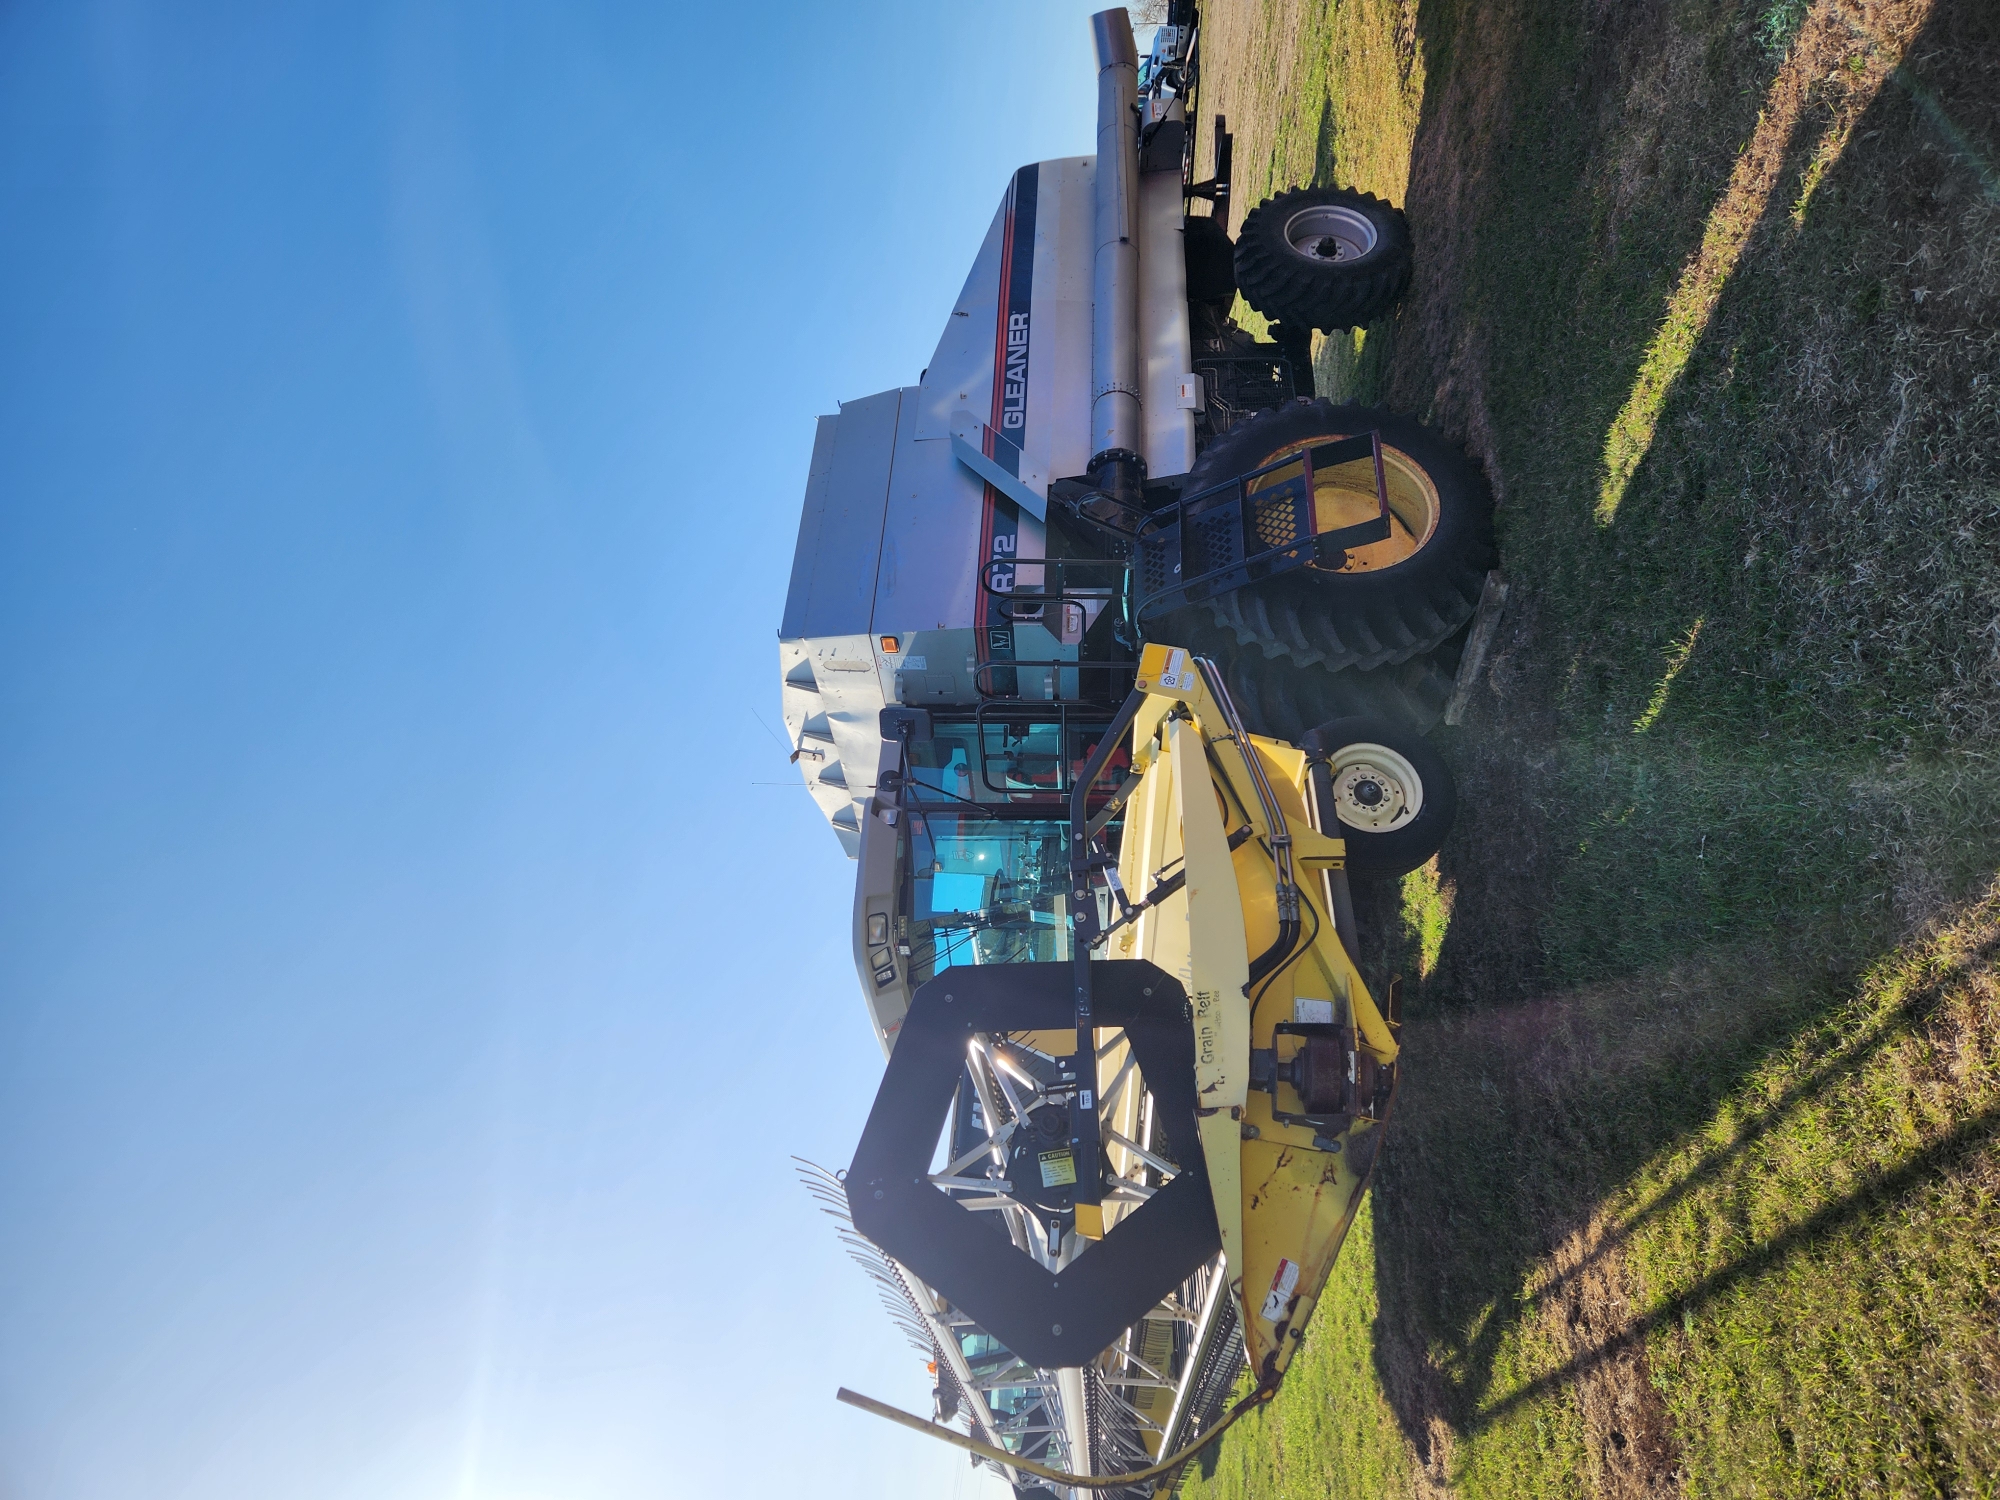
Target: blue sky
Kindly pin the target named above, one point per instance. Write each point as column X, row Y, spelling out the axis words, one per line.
column 411, row 991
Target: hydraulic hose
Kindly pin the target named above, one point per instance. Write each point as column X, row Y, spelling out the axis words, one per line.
column 1287, row 943
column 1165, row 1466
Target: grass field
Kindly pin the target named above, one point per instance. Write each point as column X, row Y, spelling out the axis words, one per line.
column 1693, row 1188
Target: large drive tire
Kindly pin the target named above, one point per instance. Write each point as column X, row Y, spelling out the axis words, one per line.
column 1392, row 600
column 1324, row 258
column 1211, row 261
column 1284, row 701
column 1393, row 796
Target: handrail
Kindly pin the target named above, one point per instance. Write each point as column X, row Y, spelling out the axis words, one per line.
column 1220, row 518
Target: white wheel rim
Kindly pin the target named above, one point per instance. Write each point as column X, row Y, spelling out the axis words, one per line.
column 1328, row 232
column 1374, row 788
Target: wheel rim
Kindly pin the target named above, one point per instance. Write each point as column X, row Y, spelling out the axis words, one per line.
column 1344, row 495
column 1375, row 789
column 1328, row 232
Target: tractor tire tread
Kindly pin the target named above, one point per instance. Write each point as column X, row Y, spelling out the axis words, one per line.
column 1286, row 288
column 1358, row 620
column 1282, row 700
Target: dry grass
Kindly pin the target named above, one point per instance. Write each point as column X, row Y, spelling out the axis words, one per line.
column 1583, row 1305
column 1314, row 94
column 1722, row 333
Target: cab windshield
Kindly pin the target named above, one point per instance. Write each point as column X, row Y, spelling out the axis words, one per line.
column 985, row 859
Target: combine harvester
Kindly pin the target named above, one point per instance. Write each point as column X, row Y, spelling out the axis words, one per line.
column 1108, row 655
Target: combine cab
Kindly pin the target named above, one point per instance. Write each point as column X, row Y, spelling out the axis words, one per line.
column 1108, row 654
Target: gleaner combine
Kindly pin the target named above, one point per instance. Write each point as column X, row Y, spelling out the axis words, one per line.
column 1108, row 655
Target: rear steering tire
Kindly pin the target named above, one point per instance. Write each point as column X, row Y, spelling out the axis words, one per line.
column 1391, row 795
column 1327, row 258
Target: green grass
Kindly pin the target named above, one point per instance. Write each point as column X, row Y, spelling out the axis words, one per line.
column 1718, row 414
column 1771, row 1181
column 1308, row 1449
column 1820, row 1264
column 1693, row 1182
column 1673, row 848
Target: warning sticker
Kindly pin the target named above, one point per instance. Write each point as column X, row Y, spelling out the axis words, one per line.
column 1059, row 1170
column 1282, row 1286
column 1177, row 674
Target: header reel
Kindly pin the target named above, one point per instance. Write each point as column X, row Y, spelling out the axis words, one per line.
column 1049, row 1303
column 1192, row 1097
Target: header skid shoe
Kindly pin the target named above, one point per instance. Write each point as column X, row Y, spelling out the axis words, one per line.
column 1049, row 1318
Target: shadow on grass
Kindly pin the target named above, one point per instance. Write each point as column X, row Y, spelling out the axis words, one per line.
column 1878, row 1191
column 1838, row 1070
column 1735, row 305
column 1575, row 199
column 1512, row 1135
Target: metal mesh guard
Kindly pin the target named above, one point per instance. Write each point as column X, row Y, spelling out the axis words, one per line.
column 1155, row 573
column 1274, row 517
column 1212, row 541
